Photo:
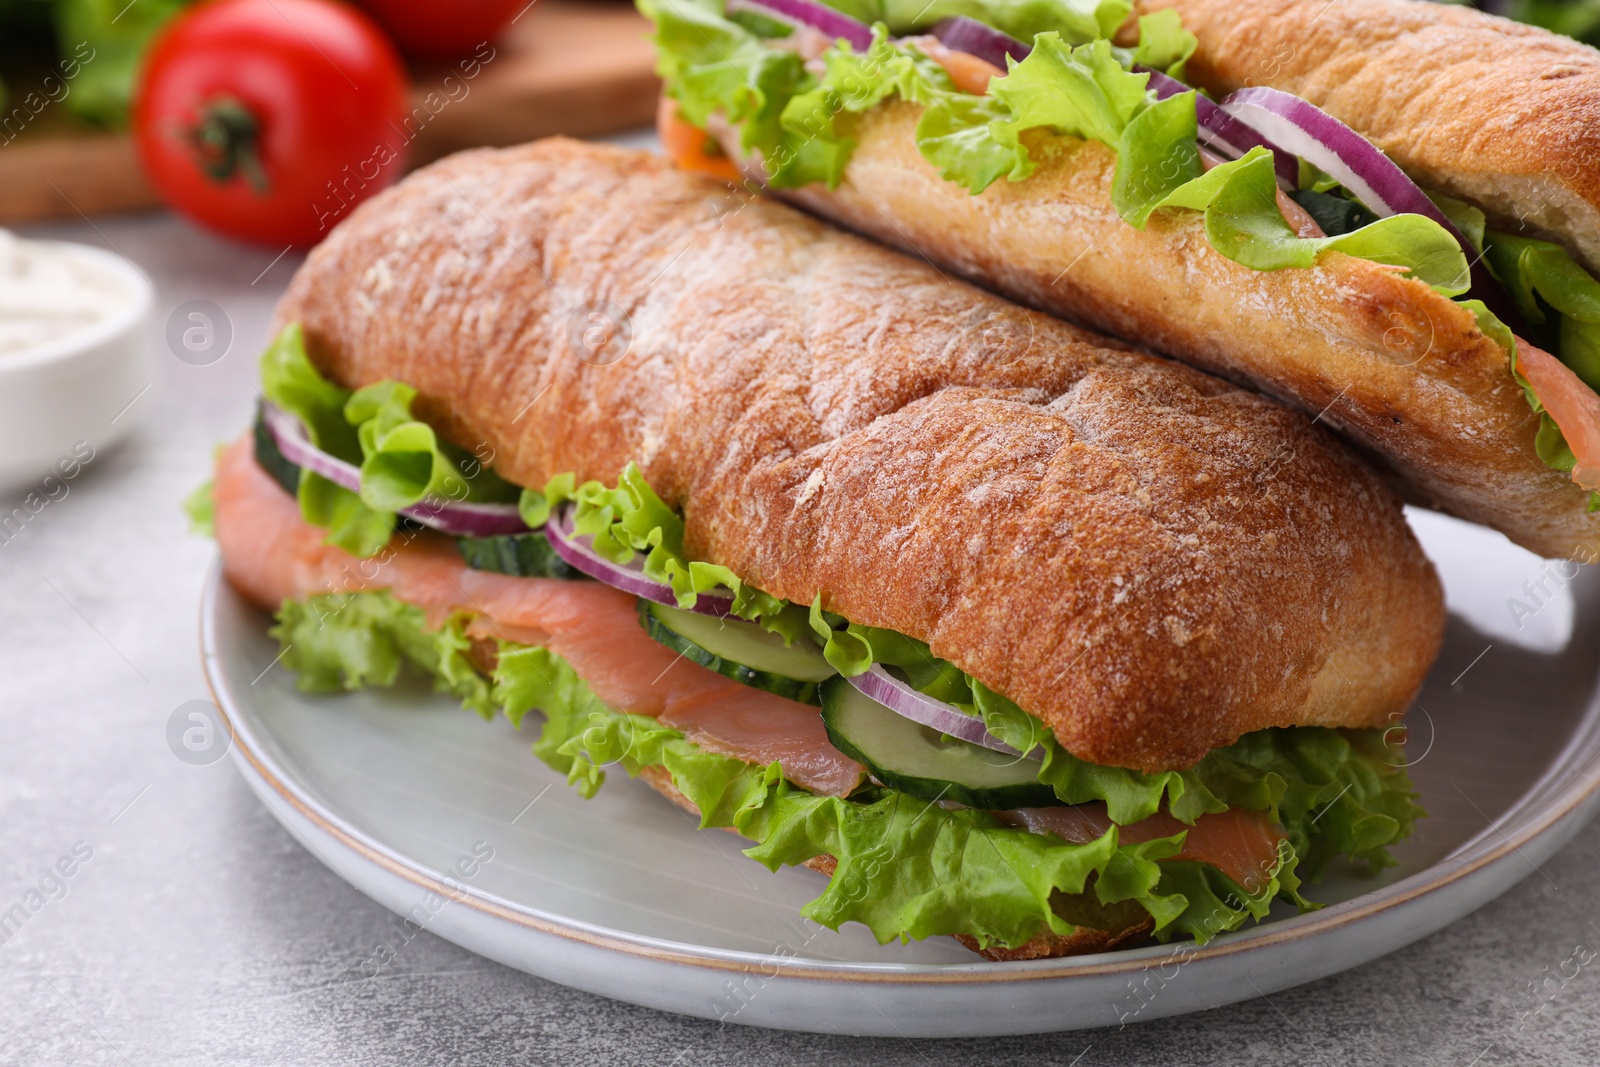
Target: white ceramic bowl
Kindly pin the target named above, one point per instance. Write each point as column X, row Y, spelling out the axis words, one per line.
column 76, row 393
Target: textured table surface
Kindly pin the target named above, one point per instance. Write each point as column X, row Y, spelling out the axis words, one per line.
column 198, row 932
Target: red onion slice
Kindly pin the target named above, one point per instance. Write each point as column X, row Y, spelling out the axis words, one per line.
column 577, row 550
column 818, row 16
column 461, row 518
column 1361, row 167
column 296, row 446
column 1222, row 132
column 457, row 518
column 1349, row 158
column 976, row 39
column 900, row 698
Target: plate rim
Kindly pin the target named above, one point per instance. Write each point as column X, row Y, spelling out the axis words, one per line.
column 1535, row 818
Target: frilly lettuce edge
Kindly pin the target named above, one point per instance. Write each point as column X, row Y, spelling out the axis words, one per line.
column 403, row 462
column 1333, row 791
column 907, row 870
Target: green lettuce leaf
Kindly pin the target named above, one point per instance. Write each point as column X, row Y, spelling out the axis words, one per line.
column 290, row 381
column 1157, row 155
column 405, row 463
column 954, row 135
column 1243, row 222
column 1078, row 20
column 1544, row 280
column 1079, row 91
column 402, row 461
column 1464, row 217
column 1214, row 903
column 1333, row 791
column 759, row 24
column 629, row 519
column 713, row 65
column 201, row 510
column 818, row 120
column 1550, row 443
column 1527, row 266
column 1164, row 44
column 1579, row 345
column 108, row 38
column 351, row 524
column 907, row 869
column 1537, row 273
column 347, row 641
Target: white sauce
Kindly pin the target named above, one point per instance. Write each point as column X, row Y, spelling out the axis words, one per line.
column 48, row 292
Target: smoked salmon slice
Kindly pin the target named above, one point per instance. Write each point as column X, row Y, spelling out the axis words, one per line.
column 270, row 555
column 1571, row 403
column 1241, row 844
column 687, row 144
column 969, row 73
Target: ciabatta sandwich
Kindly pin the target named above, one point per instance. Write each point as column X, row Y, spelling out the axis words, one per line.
column 1387, row 212
column 1021, row 635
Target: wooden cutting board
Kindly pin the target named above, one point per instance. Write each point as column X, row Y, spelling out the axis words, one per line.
column 580, row 67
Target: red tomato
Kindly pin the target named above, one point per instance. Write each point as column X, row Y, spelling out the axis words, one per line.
column 444, row 31
column 269, row 120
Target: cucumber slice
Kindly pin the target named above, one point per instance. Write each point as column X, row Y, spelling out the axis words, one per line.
column 524, row 555
column 269, row 459
column 739, row 650
column 919, row 760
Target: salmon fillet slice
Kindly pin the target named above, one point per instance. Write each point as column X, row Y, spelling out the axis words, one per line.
column 270, row 554
column 1241, row 844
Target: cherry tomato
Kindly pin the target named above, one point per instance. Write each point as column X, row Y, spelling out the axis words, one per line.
column 269, row 120
column 444, row 31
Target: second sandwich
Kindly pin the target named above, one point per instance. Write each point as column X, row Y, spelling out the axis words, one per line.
column 1418, row 275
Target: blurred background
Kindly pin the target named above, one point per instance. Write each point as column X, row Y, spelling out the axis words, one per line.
column 476, row 72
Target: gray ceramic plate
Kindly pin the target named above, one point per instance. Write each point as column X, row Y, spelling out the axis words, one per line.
column 452, row 823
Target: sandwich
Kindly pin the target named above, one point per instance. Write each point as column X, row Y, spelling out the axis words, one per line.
column 1384, row 212
column 1021, row 635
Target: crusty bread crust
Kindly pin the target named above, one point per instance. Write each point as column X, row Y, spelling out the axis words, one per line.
column 1381, row 358
column 1482, row 108
column 1151, row 560
column 1047, row 945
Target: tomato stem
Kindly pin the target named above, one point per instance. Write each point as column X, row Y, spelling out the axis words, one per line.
column 226, row 140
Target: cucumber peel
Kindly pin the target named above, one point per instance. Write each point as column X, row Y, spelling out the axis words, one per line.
column 922, row 762
column 739, row 650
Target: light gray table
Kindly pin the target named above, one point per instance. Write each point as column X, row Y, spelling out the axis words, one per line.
column 200, row 933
